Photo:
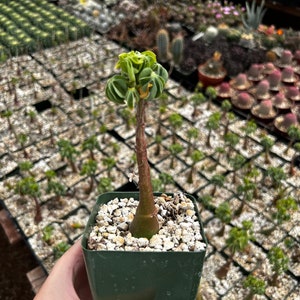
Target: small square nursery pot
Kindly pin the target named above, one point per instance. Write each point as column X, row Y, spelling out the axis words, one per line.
column 122, row 275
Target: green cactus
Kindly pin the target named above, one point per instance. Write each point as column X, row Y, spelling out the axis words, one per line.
column 177, row 50
column 162, row 42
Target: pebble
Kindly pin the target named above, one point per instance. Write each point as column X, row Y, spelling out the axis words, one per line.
column 111, row 229
column 119, row 240
column 143, row 242
column 123, row 226
column 190, row 212
column 168, row 245
column 179, row 227
column 155, row 240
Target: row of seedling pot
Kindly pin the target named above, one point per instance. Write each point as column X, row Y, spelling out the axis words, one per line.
column 29, row 26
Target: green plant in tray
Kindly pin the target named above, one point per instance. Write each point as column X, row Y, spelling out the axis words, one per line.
column 255, row 285
column 28, row 186
column 68, row 151
column 237, row 241
column 54, row 185
column 279, row 261
column 89, row 168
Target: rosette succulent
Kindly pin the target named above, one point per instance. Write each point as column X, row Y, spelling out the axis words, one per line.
column 141, row 80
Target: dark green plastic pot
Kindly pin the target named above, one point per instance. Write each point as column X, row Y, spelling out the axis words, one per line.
column 121, row 275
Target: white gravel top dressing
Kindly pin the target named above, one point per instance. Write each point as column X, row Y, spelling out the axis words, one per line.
column 179, row 226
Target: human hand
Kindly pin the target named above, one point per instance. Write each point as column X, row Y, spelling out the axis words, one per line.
column 68, row 279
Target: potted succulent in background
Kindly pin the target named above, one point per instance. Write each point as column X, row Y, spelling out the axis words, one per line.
column 125, row 266
column 212, row 72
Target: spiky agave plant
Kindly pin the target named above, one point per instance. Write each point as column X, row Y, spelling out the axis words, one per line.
column 141, row 80
column 254, row 15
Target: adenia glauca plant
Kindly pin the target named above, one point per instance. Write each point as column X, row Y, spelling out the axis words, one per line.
column 141, row 80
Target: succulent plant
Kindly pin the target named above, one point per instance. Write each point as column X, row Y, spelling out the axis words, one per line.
column 265, row 107
column 162, row 42
column 292, row 92
column 284, row 122
column 224, row 90
column 268, row 41
column 247, row 40
column 256, row 286
column 243, row 100
column 286, row 57
column 233, row 35
column 210, row 34
column 214, row 65
column 177, row 49
column 240, row 82
column 279, row 262
column 288, row 74
column 274, row 78
column 289, row 119
column 254, row 15
column 280, row 101
column 255, row 71
column 297, row 56
column 262, row 88
column 264, row 110
column 269, row 67
column 141, row 80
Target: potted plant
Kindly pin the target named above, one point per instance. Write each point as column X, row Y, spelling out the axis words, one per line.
column 141, row 273
column 255, row 285
column 212, row 72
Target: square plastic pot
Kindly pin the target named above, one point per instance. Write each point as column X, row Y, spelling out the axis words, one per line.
column 122, row 275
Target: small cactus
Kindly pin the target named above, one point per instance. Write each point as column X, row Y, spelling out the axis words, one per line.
column 269, row 68
column 162, row 41
column 288, row 74
column 286, row 57
column 288, row 120
column 255, row 71
column 233, row 35
column 241, row 81
column 244, row 97
column 177, row 50
column 274, row 78
column 224, row 90
column 268, row 41
column 292, row 92
column 279, row 99
column 265, row 108
column 210, row 34
column 244, row 100
column 297, row 56
column 262, row 88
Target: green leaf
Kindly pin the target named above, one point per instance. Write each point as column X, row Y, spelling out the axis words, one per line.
column 132, row 97
column 116, row 89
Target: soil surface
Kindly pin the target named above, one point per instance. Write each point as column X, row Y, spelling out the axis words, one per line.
column 15, row 261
